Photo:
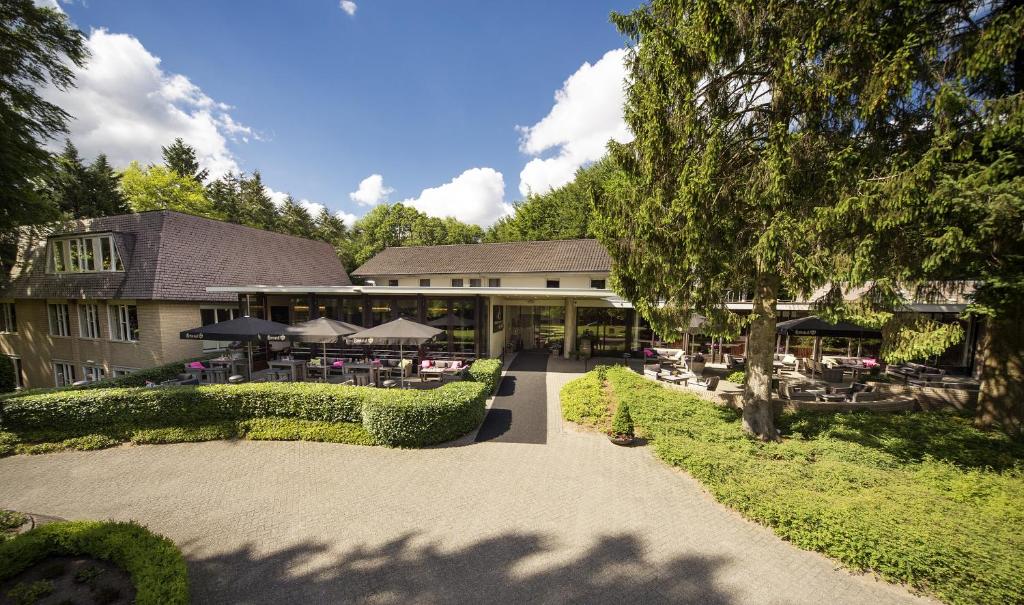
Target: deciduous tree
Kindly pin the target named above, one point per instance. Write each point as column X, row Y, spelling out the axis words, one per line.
column 160, row 188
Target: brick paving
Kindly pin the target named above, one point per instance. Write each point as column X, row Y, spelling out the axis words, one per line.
column 574, row 519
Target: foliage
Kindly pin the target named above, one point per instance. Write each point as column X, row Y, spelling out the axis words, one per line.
column 8, row 381
column 414, row 418
column 583, row 403
column 486, row 372
column 562, row 213
column 38, row 47
column 30, row 593
column 913, row 337
column 622, row 421
column 190, row 433
column 153, row 562
column 10, row 521
column 291, row 429
column 739, row 377
column 81, row 191
column 922, row 498
column 160, row 188
column 181, row 158
column 400, row 225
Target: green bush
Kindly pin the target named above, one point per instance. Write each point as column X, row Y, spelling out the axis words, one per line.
column 154, row 563
column 95, row 409
column 739, row 377
column 486, row 372
column 290, row 429
column 922, row 498
column 416, row 418
column 8, row 381
column 583, row 403
column 622, row 422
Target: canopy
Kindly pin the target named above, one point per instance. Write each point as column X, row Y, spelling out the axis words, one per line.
column 815, row 326
column 398, row 332
column 451, row 320
column 322, row 330
column 243, row 329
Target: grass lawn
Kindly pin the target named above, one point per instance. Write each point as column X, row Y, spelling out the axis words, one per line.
column 920, row 498
column 277, row 429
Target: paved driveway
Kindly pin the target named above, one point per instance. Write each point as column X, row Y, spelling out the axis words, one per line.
column 574, row 519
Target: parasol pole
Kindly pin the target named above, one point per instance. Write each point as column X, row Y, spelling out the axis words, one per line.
column 323, row 370
column 401, row 363
column 249, row 343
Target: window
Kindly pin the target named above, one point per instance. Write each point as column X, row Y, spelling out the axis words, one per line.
column 89, row 321
column 86, row 254
column 553, row 283
column 59, row 320
column 597, row 284
column 124, row 323
column 393, row 282
column 8, row 318
column 424, row 283
column 457, row 282
column 213, row 315
column 93, row 373
column 19, row 383
column 494, row 282
column 474, row 282
column 63, row 373
column 116, row 372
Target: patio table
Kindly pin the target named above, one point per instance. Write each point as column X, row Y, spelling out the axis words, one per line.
column 372, row 369
column 297, row 367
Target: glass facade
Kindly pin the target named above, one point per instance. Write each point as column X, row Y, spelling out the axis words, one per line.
column 436, row 310
column 463, row 326
column 380, row 312
column 607, row 328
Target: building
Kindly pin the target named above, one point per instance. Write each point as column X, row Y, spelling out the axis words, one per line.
column 106, row 296
column 526, row 295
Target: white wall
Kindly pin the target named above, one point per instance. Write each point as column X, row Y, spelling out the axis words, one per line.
column 508, row 280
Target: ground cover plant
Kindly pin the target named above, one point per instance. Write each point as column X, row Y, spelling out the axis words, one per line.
column 920, row 498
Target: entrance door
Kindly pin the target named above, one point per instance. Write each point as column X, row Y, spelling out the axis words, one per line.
column 536, row 327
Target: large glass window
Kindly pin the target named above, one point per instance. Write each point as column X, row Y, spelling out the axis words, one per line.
column 214, row 315
column 252, row 305
column 8, row 318
column 328, row 306
column 380, row 311
column 436, row 314
column 409, row 308
column 300, row 309
column 124, row 322
column 63, row 373
column 88, row 320
column 60, row 320
column 93, row 373
column 352, row 310
column 19, row 379
column 605, row 327
column 464, row 326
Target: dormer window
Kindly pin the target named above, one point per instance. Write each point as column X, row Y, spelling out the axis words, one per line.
column 84, row 254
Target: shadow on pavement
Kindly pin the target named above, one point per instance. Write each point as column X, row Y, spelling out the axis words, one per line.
column 501, row 569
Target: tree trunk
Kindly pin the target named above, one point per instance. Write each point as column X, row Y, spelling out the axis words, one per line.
column 1001, row 402
column 758, row 416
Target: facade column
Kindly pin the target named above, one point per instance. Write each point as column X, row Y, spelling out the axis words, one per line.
column 569, row 346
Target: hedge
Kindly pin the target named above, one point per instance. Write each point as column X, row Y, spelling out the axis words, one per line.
column 417, row 418
column 486, row 372
column 153, row 562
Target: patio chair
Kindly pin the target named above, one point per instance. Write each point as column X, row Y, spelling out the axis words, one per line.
column 653, row 370
column 735, row 362
column 788, row 391
column 710, row 383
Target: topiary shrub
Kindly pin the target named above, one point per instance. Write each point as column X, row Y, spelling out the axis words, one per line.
column 622, row 421
column 417, row 418
column 8, row 381
column 486, row 372
column 739, row 377
column 154, row 563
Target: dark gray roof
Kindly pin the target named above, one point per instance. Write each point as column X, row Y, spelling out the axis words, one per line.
column 557, row 256
column 173, row 256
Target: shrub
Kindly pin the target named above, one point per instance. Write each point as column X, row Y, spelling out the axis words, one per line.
column 225, row 429
column 417, row 418
column 622, row 422
column 29, row 593
column 582, row 401
column 290, row 429
column 8, row 380
column 93, row 409
column 486, row 372
column 153, row 562
column 739, row 377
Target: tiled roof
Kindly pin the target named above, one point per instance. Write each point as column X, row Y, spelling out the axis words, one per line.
column 173, row 256
column 574, row 255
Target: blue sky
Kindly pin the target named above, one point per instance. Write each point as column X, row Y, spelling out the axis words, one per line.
column 317, row 99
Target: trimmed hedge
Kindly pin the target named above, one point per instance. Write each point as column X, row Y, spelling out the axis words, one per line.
column 486, row 372
column 154, row 563
column 92, row 409
column 417, row 418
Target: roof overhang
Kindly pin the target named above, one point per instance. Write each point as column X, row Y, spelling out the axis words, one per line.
column 388, row 290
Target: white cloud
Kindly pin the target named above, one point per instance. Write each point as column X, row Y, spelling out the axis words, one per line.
column 49, row 4
column 371, row 191
column 475, row 196
column 586, row 114
column 125, row 105
column 348, row 6
column 348, row 217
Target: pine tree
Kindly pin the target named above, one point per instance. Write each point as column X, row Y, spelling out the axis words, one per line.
column 181, row 158
column 104, row 189
column 294, row 219
column 255, row 207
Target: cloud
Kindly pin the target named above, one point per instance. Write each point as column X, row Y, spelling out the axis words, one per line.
column 475, row 196
column 125, row 105
column 586, row 114
column 371, row 191
column 349, row 218
column 348, row 6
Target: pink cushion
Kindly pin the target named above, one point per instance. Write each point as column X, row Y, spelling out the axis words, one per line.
column 456, row 365
column 338, row 364
column 197, row 365
column 648, row 353
column 426, row 363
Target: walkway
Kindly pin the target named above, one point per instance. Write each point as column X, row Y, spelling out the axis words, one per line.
column 573, row 520
column 519, row 411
